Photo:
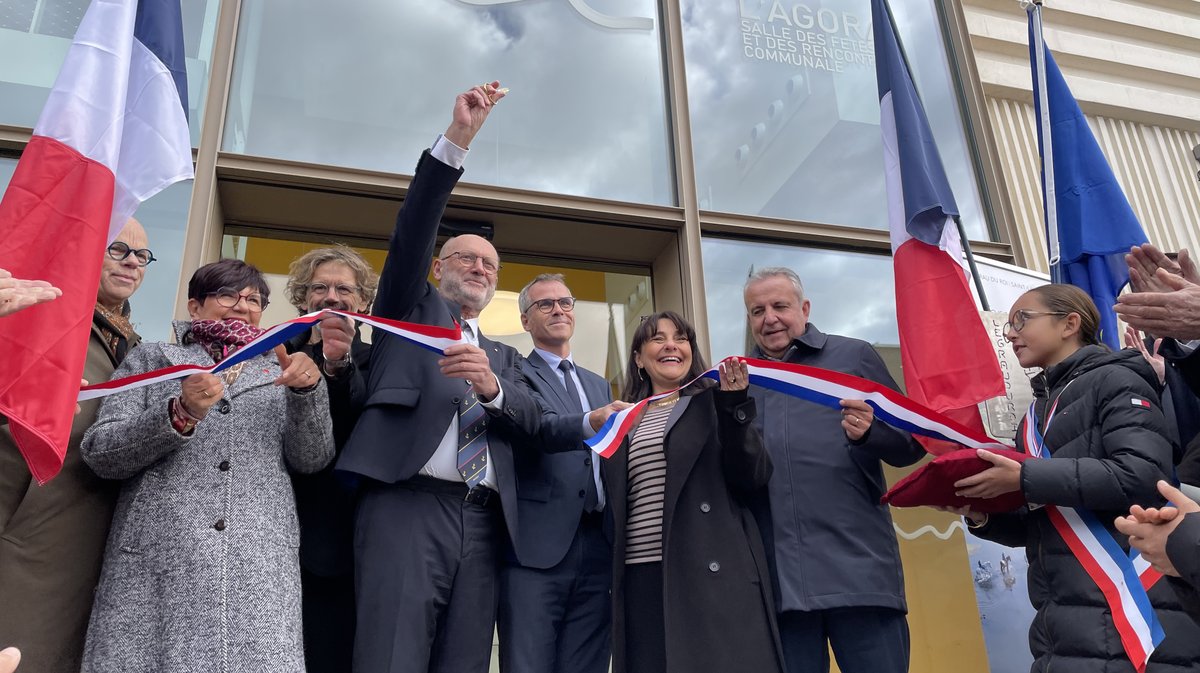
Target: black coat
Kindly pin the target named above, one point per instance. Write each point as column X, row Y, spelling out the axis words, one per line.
column 409, row 401
column 718, row 611
column 1185, row 361
column 324, row 500
column 1183, row 548
column 1108, row 452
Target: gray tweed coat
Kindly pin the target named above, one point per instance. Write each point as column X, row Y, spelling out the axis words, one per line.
column 201, row 571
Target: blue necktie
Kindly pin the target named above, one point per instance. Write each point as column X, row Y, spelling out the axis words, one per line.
column 590, row 500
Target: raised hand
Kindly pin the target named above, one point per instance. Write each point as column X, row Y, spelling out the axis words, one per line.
column 1158, row 363
column 1173, row 312
column 470, row 363
column 471, row 109
column 17, row 294
column 299, row 371
column 1148, row 529
column 1144, row 262
column 337, row 334
column 734, row 374
column 598, row 417
column 857, row 417
column 199, row 392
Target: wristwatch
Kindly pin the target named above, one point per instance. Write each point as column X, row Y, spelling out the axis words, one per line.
column 339, row 366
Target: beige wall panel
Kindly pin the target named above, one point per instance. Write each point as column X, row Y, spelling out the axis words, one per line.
column 1153, row 164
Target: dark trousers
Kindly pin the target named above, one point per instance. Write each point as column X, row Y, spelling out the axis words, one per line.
column 645, row 629
column 425, row 579
column 328, row 604
column 558, row 620
column 864, row 640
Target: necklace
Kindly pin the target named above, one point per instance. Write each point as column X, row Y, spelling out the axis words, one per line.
column 666, row 401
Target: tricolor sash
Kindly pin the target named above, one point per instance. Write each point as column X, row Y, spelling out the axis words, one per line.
column 1123, row 577
column 436, row 339
column 824, row 387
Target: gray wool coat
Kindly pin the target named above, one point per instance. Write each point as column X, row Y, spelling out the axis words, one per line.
column 201, row 571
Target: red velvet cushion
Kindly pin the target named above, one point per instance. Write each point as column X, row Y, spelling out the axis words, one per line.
column 933, row 484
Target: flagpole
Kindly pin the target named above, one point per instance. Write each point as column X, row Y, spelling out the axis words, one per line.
column 962, row 232
column 1050, row 194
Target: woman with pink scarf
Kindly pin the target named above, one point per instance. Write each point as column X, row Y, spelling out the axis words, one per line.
column 201, row 571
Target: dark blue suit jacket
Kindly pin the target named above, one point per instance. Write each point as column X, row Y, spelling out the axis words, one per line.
column 552, row 477
column 409, row 401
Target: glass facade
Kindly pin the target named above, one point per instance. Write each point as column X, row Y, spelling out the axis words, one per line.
column 35, row 35
column 368, row 84
column 784, row 121
column 785, row 110
column 852, row 293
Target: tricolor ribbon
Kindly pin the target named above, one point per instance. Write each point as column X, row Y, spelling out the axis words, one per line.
column 436, row 339
column 1123, row 577
column 824, row 387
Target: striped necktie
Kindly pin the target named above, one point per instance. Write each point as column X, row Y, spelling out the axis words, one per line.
column 472, row 432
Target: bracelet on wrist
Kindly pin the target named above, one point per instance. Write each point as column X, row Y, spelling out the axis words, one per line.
column 183, row 422
column 971, row 523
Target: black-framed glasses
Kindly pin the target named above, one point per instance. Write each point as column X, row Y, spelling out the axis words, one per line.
column 1021, row 317
column 229, row 297
column 341, row 289
column 468, row 259
column 547, row 305
column 119, row 251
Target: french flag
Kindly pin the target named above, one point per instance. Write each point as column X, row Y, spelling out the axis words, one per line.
column 114, row 133
column 949, row 363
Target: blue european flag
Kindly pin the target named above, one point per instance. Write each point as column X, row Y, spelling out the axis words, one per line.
column 1095, row 223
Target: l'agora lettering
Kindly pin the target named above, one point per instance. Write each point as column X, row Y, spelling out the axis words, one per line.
column 798, row 34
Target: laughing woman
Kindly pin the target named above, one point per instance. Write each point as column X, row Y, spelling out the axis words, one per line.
column 201, row 571
column 1097, row 415
column 690, row 589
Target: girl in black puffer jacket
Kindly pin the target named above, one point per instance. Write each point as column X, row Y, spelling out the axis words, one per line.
column 1108, row 442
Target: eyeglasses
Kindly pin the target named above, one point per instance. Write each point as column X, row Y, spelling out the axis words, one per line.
column 119, row 251
column 342, row 290
column 229, row 297
column 1021, row 317
column 547, row 305
column 468, row 259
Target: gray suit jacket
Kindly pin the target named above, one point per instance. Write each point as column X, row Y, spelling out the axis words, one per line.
column 553, row 474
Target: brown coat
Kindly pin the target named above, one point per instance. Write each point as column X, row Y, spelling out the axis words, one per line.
column 52, row 542
column 718, row 608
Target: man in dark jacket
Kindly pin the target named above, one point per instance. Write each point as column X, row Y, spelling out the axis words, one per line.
column 331, row 278
column 830, row 543
column 555, row 609
column 433, row 444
